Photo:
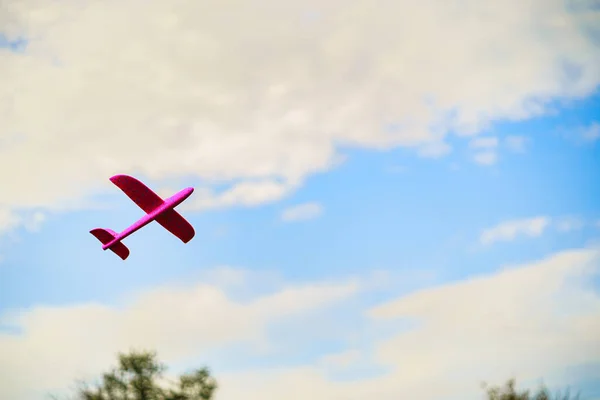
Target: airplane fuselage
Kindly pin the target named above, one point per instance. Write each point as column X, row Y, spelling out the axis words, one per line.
column 168, row 204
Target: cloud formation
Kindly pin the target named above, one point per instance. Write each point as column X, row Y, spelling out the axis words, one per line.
column 179, row 322
column 485, row 148
column 8, row 220
column 591, row 133
column 509, row 230
column 516, row 144
column 11, row 220
column 569, row 224
column 302, row 212
column 486, row 157
column 464, row 333
column 253, row 111
column 532, row 227
column 484, row 143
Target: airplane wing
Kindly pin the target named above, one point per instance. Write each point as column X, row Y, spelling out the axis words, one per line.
column 139, row 193
column 172, row 221
column 148, row 201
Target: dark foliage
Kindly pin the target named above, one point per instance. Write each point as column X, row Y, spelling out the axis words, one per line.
column 509, row 392
column 138, row 376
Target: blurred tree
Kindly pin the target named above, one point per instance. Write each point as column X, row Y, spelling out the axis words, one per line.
column 509, row 392
column 139, row 376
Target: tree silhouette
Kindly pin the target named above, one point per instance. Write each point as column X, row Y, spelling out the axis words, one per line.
column 139, row 376
column 509, row 392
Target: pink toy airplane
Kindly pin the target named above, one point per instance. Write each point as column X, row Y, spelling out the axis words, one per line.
column 157, row 209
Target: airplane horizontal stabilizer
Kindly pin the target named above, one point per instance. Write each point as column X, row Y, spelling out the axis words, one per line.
column 106, row 236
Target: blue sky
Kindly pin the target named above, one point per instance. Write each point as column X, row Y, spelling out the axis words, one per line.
column 404, row 266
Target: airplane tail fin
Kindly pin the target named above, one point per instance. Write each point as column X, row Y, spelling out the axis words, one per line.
column 105, row 236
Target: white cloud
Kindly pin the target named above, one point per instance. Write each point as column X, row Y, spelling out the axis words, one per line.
column 267, row 104
column 11, row 220
column 484, row 143
column 581, row 134
column 544, row 319
column 591, row 133
column 528, row 321
column 8, row 220
column 341, row 360
column 486, row 158
column 486, row 146
column 569, row 224
column 516, row 144
column 509, row 230
column 247, row 194
column 225, row 276
column 179, row 322
column 435, row 149
column 34, row 223
column 525, row 308
column 302, row 212
column 532, row 227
